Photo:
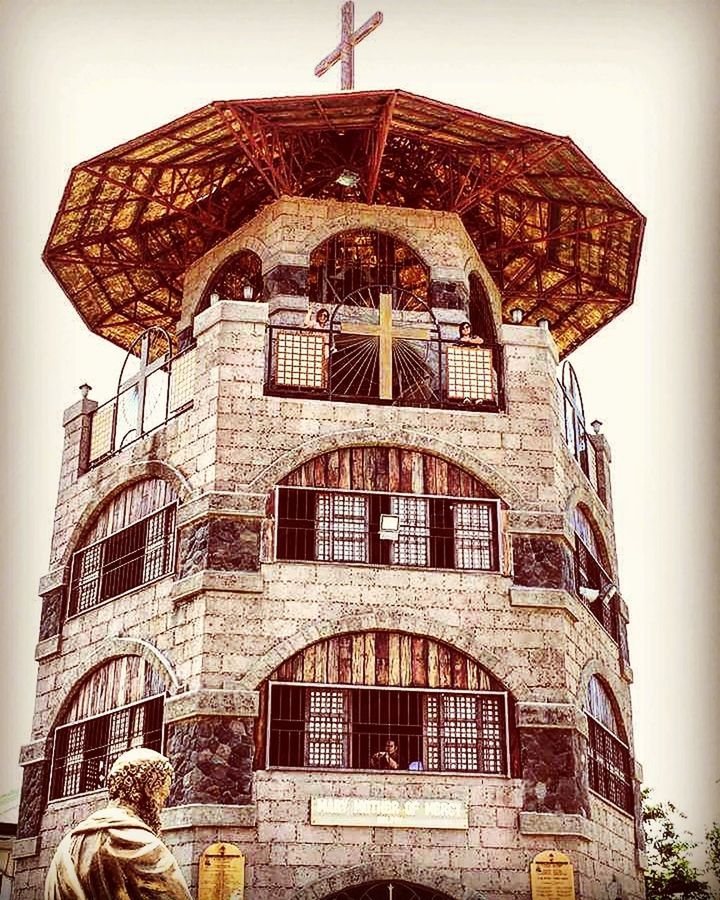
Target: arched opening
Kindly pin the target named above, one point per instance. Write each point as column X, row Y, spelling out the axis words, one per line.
column 609, row 765
column 129, row 542
column 238, row 278
column 388, row 890
column 365, row 261
column 574, row 427
column 387, row 506
column 385, row 700
column 116, row 707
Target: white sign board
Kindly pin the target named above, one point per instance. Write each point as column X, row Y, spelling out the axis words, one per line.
column 388, row 813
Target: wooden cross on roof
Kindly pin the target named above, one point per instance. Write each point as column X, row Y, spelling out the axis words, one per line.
column 345, row 50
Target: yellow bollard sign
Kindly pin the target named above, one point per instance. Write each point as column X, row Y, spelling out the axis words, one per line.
column 222, row 873
column 552, row 877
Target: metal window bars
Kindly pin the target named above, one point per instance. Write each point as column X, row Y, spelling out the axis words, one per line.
column 154, row 386
column 135, row 555
column 609, row 766
column 599, row 593
column 344, row 526
column 576, row 436
column 84, row 751
column 348, row 727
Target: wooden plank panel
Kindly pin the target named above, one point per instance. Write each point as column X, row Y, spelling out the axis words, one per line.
column 299, row 667
column 433, row 665
column 356, row 468
column 358, row 659
column 453, row 485
column 309, row 663
column 333, row 660
column 344, row 468
column 444, row 666
column 394, row 654
column 418, row 474
column 333, row 469
column 369, row 640
column 382, row 657
column 430, row 467
column 441, row 476
column 484, row 682
column 459, row 670
column 345, row 644
column 405, row 660
column 381, row 469
column 319, row 479
column 419, row 661
column 406, row 473
column 368, row 469
column 472, row 676
column 393, row 469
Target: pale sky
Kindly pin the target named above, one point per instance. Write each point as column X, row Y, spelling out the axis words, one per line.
column 633, row 83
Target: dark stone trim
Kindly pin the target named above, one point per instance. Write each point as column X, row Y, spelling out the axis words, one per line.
column 542, row 561
column 554, row 771
column 448, row 295
column 222, row 543
column 212, row 757
column 288, row 280
column 51, row 614
column 32, row 798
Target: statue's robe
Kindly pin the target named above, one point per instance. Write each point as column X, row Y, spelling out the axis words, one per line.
column 113, row 855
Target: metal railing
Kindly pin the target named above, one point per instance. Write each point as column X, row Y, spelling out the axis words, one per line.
column 386, row 529
column 328, row 364
column 599, row 593
column 142, row 406
column 609, row 766
column 126, row 559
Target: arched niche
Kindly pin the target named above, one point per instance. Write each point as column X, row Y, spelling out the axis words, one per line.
column 117, row 706
column 337, row 702
column 239, row 277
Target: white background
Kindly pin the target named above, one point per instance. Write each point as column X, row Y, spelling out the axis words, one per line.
column 633, row 83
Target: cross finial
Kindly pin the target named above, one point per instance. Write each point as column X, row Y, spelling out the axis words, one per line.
column 345, row 50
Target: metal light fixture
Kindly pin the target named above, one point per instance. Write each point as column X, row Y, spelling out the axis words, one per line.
column 596, row 425
column 389, row 527
column 544, row 324
column 85, row 390
column 348, row 178
column 516, row 315
column 248, row 291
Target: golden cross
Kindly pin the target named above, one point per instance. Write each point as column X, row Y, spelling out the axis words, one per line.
column 345, row 50
column 386, row 332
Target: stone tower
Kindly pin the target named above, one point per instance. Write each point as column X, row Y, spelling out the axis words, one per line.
column 341, row 545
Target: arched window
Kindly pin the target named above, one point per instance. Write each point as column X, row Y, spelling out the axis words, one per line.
column 339, row 703
column 117, row 707
column 238, row 278
column 130, row 542
column 387, row 506
column 575, row 433
column 608, row 754
column 365, row 261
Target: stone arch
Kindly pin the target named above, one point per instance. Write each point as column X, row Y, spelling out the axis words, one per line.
column 123, row 476
column 413, row 440
column 581, row 496
column 618, row 689
column 253, row 263
column 381, row 868
column 385, row 620
column 108, row 649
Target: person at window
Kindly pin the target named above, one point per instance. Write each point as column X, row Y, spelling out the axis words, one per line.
column 322, row 317
column 116, row 851
column 387, row 758
column 467, row 337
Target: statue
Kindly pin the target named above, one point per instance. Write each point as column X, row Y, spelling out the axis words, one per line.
column 116, row 854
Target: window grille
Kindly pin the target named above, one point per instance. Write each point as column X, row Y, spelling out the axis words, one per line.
column 609, row 766
column 440, row 731
column 85, row 751
column 126, row 559
column 412, row 547
column 342, row 528
column 470, row 373
column 300, row 359
column 574, row 431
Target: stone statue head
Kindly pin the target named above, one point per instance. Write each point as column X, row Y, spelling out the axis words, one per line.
column 140, row 780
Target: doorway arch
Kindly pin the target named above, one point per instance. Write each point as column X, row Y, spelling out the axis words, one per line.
column 390, row 889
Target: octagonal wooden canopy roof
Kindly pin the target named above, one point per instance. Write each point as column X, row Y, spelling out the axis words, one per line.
column 560, row 240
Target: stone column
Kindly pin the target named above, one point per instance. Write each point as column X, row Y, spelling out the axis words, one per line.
column 604, row 458
column 77, row 422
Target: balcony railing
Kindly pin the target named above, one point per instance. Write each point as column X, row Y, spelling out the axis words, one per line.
column 141, row 405
column 599, row 593
column 126, row 559
column 609, row 766
column 331, row 364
